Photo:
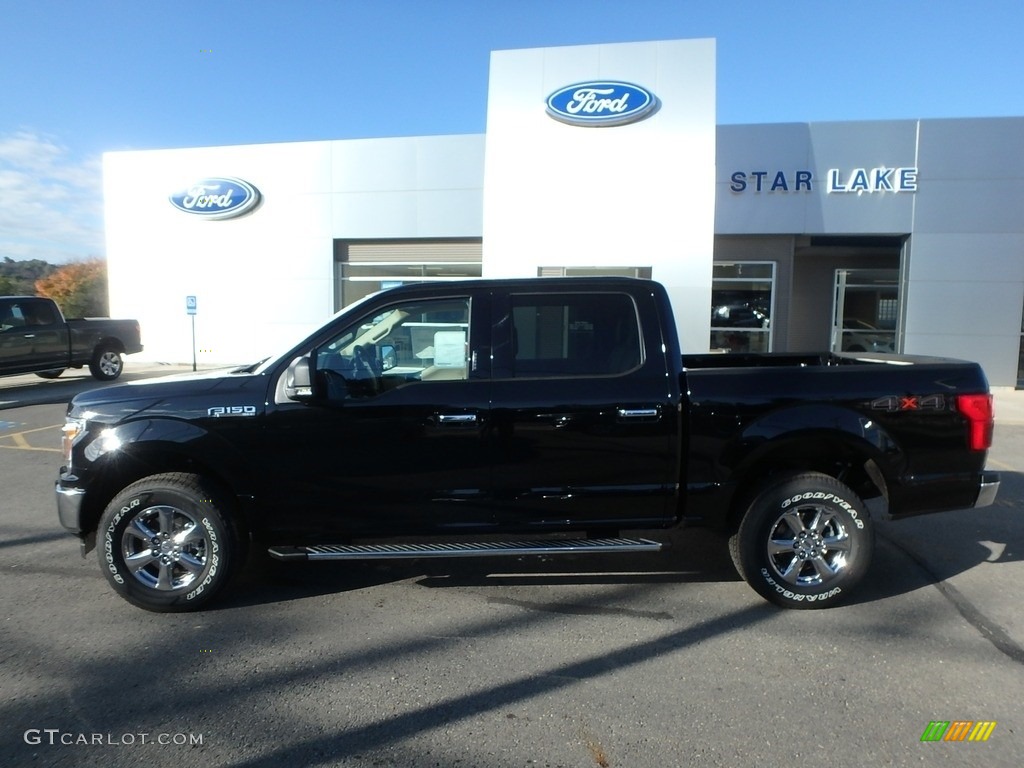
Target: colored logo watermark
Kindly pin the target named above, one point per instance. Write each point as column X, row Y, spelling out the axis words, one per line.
column 958, row 730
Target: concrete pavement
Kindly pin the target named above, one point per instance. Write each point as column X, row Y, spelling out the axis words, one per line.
column 1009, row 404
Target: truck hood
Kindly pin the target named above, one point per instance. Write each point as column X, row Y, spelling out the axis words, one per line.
column 181, row 396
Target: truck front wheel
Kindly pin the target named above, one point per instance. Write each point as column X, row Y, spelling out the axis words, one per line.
column 106, row 364
column 805, row 541
column 166, row 544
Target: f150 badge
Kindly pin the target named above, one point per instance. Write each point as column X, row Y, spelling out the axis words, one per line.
column 231, row 410
column 216, row 198
column 601, row 103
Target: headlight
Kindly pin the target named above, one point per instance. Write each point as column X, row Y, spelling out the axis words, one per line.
column 70, row 432
column 106, row 442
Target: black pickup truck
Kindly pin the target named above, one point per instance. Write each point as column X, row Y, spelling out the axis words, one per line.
column 35, row 338
column 522, row 417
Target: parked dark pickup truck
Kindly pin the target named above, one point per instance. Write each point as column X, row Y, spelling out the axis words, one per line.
column 35, row 338
column 522, row 417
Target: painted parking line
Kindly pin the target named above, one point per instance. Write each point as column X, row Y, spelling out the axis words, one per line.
column 19, row 441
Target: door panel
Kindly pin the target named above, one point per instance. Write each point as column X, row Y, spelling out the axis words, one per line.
column 395, row 445
column 584, row 433
column 410, row 460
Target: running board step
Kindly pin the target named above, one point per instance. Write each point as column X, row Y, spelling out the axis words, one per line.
column 468, row 549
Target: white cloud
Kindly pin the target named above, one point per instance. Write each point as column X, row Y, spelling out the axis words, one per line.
column 51, row 203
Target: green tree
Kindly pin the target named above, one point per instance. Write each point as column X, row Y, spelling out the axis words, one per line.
column 79, row 288
column 18, row 278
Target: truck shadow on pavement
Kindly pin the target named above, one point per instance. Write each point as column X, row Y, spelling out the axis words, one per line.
column 695, row 556
column 909, row 555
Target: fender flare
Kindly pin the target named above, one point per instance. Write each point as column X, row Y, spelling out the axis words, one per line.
column 815, row 433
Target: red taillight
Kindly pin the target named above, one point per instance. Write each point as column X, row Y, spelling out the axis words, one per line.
column 978, row 411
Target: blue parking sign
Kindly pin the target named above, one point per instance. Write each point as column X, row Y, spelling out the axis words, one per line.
column 190, row 304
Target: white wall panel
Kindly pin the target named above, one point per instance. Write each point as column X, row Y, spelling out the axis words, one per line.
column 981, row 148
column 265, row 278
column 976, row 205
column 641, row 193
column 968, row 258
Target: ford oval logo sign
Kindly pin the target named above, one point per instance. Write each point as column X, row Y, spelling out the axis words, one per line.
column 601, row 103
column 217, row 198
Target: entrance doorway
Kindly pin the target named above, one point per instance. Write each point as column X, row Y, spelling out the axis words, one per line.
column 845, row 295
column 866, row 310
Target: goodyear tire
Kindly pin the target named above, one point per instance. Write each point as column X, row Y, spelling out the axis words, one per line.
column 106, row 364
column 166, row 544
column 805, row 541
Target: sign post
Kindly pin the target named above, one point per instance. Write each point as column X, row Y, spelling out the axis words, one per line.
column 190, row 308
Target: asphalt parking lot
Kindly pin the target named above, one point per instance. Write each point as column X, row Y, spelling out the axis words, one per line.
column 633, row 661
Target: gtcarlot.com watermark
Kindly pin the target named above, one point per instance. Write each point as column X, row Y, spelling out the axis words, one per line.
column 53, row 737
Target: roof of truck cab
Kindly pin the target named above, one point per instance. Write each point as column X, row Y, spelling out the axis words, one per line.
column 515, row 283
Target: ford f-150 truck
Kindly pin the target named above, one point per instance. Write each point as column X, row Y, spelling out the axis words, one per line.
column 521, row 417
column 35, row 338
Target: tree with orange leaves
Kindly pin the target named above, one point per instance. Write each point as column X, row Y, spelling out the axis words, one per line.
column 79, row 288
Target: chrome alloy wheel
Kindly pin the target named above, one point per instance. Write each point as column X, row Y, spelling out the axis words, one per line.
column 165, row 548
column 809, row 546
column 109, row 363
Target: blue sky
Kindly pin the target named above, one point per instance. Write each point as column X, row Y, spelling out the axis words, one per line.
column 82, row 77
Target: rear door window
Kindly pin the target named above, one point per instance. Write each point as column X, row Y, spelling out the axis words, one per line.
column 572, row 335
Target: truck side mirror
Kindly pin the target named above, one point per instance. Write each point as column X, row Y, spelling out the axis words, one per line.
column 388, row 357
column 298, row 384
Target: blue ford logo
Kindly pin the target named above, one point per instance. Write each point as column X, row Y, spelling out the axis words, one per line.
column 601, row 103
column 217, row 198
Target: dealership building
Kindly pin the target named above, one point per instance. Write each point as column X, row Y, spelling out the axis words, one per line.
column 878, row 236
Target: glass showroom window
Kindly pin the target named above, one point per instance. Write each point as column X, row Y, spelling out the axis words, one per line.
column 358, row 280
column 742, row 298
column 867, row 310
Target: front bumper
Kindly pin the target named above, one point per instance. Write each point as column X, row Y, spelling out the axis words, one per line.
column 70, row 500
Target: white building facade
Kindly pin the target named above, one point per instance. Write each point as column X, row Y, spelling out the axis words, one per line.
column 902, row 236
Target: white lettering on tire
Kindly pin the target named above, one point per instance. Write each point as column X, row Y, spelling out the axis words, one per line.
column 214, row 560
column 822, row 496
column 108, row 539
column 790, row 595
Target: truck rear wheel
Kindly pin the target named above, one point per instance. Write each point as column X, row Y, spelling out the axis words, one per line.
column 166, row 543
column 106, row 364
column 805, row 541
